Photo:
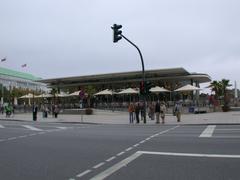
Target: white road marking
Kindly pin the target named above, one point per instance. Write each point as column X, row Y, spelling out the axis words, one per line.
column 1, row 140
column 111, row 158
column 124, row 162
column 1, row 126
column 121, row 153
column 128, row 149
column 208, row 131
column 233, row 137
column 99, row 165
column 142, row 142
column 62, row 128
column 190, row 154
column 32, row 128
column 116, row 167
column 147, row 139
column 227, row 129
column 83, row 173
column 12, row 138
column 32, row 134
column 136, row 145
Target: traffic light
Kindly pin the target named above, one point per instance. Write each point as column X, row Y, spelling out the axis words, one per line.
column 142, row 90
column 117, row 33
column 148, row 87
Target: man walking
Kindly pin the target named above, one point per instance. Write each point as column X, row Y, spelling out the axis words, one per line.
column 157, row 111
column 131, row 111
column 137, row 110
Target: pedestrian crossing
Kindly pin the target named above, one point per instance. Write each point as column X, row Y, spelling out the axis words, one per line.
column 38, row 128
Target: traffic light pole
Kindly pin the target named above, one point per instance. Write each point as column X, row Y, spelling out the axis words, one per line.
column 143, row 76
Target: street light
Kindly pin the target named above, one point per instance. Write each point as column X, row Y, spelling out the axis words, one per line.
column 117, row 35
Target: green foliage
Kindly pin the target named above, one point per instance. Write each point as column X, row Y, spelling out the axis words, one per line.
column 220, row 89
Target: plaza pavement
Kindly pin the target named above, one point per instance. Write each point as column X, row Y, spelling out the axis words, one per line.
column 109, row 117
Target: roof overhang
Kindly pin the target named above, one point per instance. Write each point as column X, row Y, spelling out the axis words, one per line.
column 133, row 76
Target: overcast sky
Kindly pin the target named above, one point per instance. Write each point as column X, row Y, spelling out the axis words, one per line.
column 59, row 38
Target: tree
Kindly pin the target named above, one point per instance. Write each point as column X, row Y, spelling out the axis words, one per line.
column 220, row 89
column 90, row 90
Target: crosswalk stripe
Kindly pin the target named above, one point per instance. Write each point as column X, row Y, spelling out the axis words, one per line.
column 208, row 131
column 61, row 127
column 1, row 126
column 32, row 128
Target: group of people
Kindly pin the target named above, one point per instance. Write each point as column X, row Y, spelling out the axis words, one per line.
column 155, row 110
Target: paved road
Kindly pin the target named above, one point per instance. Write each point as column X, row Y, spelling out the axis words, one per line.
column 39, row 151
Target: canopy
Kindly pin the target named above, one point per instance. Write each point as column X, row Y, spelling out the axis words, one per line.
column 44, row 96
column 188, row 87
column 29, row 95
column 128, row 91
column 158, row 89
column 105, row 92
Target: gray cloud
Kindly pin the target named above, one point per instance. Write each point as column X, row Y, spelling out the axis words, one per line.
column 70, row 37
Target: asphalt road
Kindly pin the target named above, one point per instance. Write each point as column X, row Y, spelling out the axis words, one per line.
column 51, row 151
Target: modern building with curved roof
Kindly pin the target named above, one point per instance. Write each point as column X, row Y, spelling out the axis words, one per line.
column 169, row 78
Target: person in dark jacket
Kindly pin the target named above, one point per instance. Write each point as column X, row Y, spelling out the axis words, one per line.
column 137, row 110
column 157, row 112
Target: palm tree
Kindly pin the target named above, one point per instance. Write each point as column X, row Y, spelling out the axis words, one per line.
column 225, row 84
column 220, row 89
column 216, row 87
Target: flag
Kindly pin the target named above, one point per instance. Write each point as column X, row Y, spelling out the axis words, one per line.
column 4, row 59
column 24, row 65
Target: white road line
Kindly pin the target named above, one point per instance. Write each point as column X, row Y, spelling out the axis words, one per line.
column 12, row 138
column 121, row 153
column 83, row 173
column 147, row 139
column 32, row 134
column 227, row 129
column 41, row 133
column 99, row 165
column 208, row 131
column 116, row 167
column 136, row 145
column 142, row 142
column 190, row 154
column 128, row 149
column 1, row 140
column 61, row 128
column 233, row 137
column 32, row 128
column 1, row 126
column 111, row 158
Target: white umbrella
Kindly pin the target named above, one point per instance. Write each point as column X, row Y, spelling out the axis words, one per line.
column 105, row 92
column 44, row 96
column 62, row 94
column 188, row 87
column 29, row 95
column 158, row 89
column 76, row 93
column 128, row 91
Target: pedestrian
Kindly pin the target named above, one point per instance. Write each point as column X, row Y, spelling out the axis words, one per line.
column 177, row 111
column 157, row 111
column 131, row 112
column 163, row 110
column 56, row 111
column 137, row 110
column 35, row 110
column 142, row 110
column 152, row 111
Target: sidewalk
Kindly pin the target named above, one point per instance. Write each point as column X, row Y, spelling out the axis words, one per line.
column 108, row 117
